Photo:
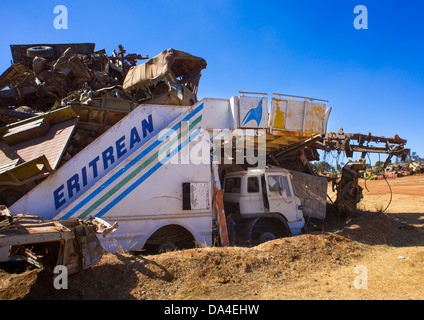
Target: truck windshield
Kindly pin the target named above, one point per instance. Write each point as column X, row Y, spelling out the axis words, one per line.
column 286, row 186
column 273, row 183
column 277, row 182
column 294, row 189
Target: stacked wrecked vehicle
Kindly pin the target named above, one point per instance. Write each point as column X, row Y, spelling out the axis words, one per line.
column 57, row 99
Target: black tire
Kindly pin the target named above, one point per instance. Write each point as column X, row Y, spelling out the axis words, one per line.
column 267, row 236
column 40, row 51
column 265, row 227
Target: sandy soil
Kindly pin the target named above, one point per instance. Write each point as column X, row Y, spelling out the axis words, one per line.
column 370, row 255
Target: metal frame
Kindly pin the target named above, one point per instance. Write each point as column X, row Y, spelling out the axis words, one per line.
column 300, row 97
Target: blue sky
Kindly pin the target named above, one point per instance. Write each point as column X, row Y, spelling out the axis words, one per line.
column 373, row 79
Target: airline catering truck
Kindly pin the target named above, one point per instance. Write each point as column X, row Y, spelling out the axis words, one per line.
column 173, row 176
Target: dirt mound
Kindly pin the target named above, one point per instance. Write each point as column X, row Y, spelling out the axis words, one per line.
column 202, row 273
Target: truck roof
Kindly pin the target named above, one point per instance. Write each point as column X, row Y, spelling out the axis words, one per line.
column 255, row 172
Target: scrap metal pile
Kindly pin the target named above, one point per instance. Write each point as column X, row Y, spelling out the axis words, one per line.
column 46, row 76
column 55, row 99
column 42, row 75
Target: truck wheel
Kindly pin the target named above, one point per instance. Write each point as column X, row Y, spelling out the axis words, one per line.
column 40, row 51
column 267, row 236
column 166, row 246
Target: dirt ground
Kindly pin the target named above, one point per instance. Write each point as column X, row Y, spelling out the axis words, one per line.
column 369, row 255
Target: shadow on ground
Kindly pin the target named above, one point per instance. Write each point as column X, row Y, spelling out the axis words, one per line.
column 112, row 279
column 375, row 228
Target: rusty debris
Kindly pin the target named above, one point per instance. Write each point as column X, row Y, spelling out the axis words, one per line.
column 349, row 192
column 71, row 243
column 298, row 155
column 43, row 75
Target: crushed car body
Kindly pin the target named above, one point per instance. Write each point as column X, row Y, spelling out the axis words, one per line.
column 171, row 78
column 71, row 243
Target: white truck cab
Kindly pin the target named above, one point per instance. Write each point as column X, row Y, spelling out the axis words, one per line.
column 262, row 205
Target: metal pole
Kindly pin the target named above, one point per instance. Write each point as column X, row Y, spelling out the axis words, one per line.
column 245, row 92
column 300, row 97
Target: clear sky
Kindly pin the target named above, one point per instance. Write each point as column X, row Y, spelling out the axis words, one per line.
column 373, row 79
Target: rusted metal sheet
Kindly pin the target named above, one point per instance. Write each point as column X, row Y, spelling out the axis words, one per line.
column 312, row 191
column 51, row 145
column 349, row 192
column 16, row 74
column 33, row 148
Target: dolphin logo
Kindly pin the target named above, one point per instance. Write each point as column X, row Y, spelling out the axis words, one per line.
column 254, row 114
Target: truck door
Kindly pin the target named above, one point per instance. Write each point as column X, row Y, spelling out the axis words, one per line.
column 280, row 195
